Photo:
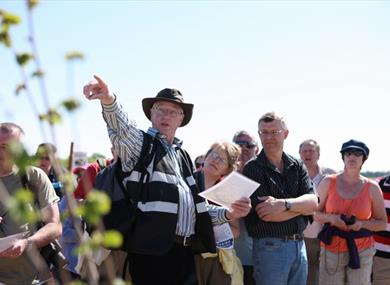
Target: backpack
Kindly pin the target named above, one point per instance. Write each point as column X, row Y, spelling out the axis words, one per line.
column 123, row 211
column 52, row 253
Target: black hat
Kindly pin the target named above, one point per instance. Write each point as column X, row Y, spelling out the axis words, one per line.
column 170, row 95
column 355, row 144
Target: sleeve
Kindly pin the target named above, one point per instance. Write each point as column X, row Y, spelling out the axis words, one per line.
column 217, row 214
column 87, row 181
column 43, row 188
column 125, row 137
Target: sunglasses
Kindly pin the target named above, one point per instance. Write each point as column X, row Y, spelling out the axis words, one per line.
column 246, row 144
column 355, row 152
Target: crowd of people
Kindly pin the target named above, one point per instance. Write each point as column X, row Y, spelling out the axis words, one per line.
column 304, row 224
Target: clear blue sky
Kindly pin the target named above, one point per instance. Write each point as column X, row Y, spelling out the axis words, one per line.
column 324, row 65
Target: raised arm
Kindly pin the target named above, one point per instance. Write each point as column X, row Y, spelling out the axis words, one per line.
column 124, row 135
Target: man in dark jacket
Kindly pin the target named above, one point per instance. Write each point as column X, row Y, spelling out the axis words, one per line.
column 172, row 221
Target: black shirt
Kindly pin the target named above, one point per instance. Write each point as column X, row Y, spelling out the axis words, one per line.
column 293, row 182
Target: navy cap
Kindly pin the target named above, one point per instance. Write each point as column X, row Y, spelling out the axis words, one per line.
column 355, row 144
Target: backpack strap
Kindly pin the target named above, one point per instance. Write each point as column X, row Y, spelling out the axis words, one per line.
column 146, row 157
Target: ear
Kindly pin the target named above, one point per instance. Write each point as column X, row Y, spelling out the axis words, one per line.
column 286, row 132
column 180, row 121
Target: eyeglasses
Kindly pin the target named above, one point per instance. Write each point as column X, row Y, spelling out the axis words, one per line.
column 246, row 144
column 215, row 156
column 272, row 133
column 198, row 164
column 44, row 158
column 166, row 112
column 355, row 152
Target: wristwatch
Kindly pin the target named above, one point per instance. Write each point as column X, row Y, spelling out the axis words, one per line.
column 287, row 205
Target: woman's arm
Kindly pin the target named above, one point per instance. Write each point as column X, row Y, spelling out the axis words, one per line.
column 235, row 226
column 320, row 216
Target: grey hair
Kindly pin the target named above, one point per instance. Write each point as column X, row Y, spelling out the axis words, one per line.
column 272, row 116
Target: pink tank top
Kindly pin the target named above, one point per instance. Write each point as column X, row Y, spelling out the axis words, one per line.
column 360, row 206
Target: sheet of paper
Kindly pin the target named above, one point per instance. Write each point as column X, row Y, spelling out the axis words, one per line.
column 230, row 189
column 6, row 242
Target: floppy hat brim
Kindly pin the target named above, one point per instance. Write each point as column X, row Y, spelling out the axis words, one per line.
column 147, row 104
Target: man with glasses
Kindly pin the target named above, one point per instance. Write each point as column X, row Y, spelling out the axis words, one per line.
column 280, row 205
column 309, row 151
column 172, row 221
column 243, row 245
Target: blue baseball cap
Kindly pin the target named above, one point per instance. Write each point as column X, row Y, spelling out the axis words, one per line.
column 355, row 144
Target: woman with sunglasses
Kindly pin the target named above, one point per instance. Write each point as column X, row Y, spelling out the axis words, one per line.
column 351, row 207
column 220, row 160
column 47, row 161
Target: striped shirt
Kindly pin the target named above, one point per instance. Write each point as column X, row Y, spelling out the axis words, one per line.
column 127, row 141
column 382, row 238
column 292, row 183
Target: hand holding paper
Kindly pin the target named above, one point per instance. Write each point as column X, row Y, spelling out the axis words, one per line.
column 231, row 189
column 239, row 208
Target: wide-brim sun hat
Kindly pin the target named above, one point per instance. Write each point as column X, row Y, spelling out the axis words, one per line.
column 355, row 144
column 169, row 95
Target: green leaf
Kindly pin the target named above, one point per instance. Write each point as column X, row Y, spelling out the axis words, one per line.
column 73, row 55
column 54, row 117
column 43, row 117
column 9, row 18
column 112, row 239
column 19, row 88
column 96, row 205
column 20, row 156
column 38, row 73
column 71, row 104
column 23, row 58
column 5, row 38
column 32, row 4
column 19, row 206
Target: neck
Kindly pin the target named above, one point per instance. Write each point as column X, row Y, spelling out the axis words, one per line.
column 276, row 160
column 313, row 170
column 350, row 177
column 209, row 179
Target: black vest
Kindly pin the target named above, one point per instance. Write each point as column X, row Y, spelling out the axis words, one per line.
column 157, row 198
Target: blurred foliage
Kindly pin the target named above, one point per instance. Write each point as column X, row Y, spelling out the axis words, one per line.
column 74, row 55
column 21, row 157
column 96, row 205
column 107, row 239
column 38, row 73
column 24, row 58
column 5, row 38
column 32, row 4
column 53, row 116
column 19, row 88
column 20, row 207
column 71, row 104
column 8, row 19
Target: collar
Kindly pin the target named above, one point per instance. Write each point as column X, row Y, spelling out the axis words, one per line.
column 287, row 161
column 156, row 134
